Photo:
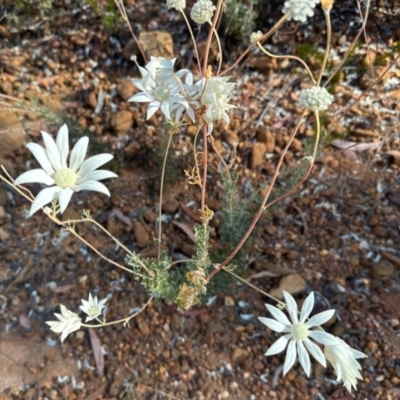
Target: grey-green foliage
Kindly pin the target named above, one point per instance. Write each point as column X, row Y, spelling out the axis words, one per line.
column 237, row 214
column 239, row 18
column 164, row 283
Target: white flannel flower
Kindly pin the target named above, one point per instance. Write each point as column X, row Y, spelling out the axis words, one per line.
column 256, row 36
column 299, row 10
column 216, row 95
column 68, row 178
column 162, row 88
column 202, row 11
column 316, row 98
column 343, row 359
column 92, row 307
column 68, row 322
column 298, row 333
column 179, row 5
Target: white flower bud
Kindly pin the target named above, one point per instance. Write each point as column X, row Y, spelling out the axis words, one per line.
column 316, row 99
column 202, row 11
column 179, row 5
column 256, row 36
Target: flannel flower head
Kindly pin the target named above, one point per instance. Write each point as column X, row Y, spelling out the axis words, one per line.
column 67, row 323
column 344, row 361
column 162, row 88
column 217, row 93
column 67, row 178
column 92, row 307
column 298, row 333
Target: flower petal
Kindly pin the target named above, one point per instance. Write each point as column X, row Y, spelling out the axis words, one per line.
column 41, row 156
column 63, row 144
column 153, row 107
column 308, row 305
column 279, row 345
column 315, row 351
column 78, row 153
column 92, row 163
column 141, row 97
column 304, row 358
column 322, row 337
column 320, row 318
column 35, row 175
column 97, row 175
column 291, row 356
column 278, row 315
column 291, row 306
column 64, row 198
column 44, row 197
column 274, row 325
column 92, row 185
column 52, row 151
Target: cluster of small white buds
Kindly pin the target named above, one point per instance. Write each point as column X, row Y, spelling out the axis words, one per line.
column 256, row 36
column 179, row 5
column 299, row 10
column 202, row 11
column 316, row 99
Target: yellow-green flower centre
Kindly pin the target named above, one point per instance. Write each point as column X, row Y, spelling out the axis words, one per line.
column 161, row 93
column 94, row 312
column 299, row 331
column 65, row 178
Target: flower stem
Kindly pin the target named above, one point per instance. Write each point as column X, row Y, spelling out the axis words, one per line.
column 161, row 197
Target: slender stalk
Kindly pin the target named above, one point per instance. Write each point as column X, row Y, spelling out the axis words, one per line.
column 328, row 44
column 205, row 165
column 121, row 8
column 262, row 207
column 194, row 43
column 290, row 58
column 219, row 52
column 352, row 45
column 305, row 176
column 265, row 37
column 161, row 196
column 251, row 285
column 210, row 33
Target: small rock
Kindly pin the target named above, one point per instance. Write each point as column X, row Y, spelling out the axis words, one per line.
column 293, row 255
column 257, row 154
column 230, row 137
column 228, row 301
column 271, row 229
column 239, row 355
column 268, row 139
column 337, row 330
column 141, row 235
column 176, row 320
column 126, row 89
column 296, row 145
column 121, row 122
column 4, row 235
column 2, row 212
column 380, row 231
column 149, row 216
column 170, row 207
column 157, row 43
column 369, row 58
column 382, row 269
column 143, row 327
column 293, row 284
